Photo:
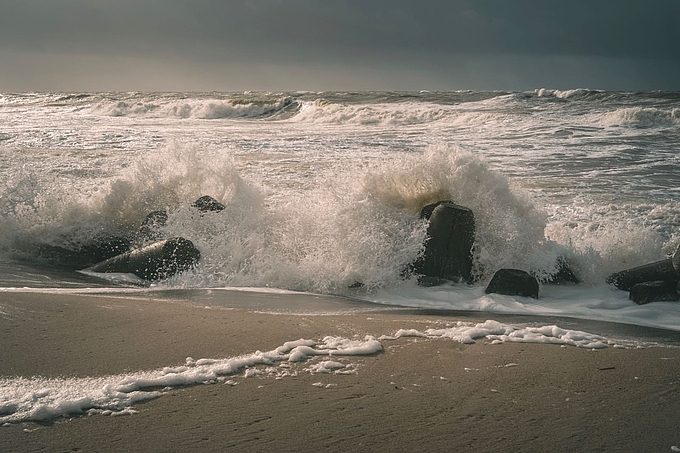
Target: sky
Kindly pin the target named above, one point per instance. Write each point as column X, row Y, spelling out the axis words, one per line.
column 236, row 45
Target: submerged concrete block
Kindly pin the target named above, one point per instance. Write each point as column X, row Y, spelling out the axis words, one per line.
column 660, row 270
column 83, row 255
column 150, row 229
column 154, row 262
column 656, row 291
column 675, row 259
column 563, row 275
column 513, row 282
column 448, row 250
column 207, row 203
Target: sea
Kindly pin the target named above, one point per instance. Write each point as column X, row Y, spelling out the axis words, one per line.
column 323, row 190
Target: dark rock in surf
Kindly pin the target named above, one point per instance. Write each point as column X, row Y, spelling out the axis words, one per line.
column 150, row 229
column 655, row 291
column 208, row 204
column 448, row 250
column 675, row 259
column 426, row 212
column 154, row 262
column 79, row 256
column 83, row 255
column 563, row 275
column 106, row 248
column 513, row 282
column 660, row 270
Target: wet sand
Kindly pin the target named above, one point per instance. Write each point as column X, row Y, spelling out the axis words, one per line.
column 417, row 395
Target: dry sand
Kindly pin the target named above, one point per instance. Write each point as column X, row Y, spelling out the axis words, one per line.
column 417, row 395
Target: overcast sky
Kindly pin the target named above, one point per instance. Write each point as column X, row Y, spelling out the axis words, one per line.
column 234, row 45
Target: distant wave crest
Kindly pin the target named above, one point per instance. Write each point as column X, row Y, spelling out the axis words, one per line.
column 578, row 93
column 390, row 115
column 642, row 117
column 199, row 108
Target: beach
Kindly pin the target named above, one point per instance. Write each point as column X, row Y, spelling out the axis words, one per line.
column 416, row 393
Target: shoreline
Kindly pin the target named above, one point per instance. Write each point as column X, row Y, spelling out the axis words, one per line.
column 417, row 393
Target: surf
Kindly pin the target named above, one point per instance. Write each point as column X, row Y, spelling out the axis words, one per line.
column 322, row 190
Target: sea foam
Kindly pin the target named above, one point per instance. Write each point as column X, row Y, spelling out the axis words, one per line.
column 642, row 117
column 502, row 333
column 209, row 109
column 38, row 399
column 356, row 224
column 323, row 189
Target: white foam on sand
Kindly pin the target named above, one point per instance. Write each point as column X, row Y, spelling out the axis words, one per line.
column 501, row 333
column 38, row 399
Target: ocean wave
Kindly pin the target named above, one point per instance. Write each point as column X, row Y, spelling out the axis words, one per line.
column 393, row 115
column 622, row 98
column 45, row 224
column 356, row 226
column 578, row 93
column 324, row 112
column 641, row 117
column 598, row 97
column 355, row 223
column 199, row 108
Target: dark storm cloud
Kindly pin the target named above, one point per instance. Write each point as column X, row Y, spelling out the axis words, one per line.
column 384, row 35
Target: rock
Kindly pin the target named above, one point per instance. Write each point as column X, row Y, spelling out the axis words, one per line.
column 563, row 275
column 426, row 281
column 80, row 256
column 675, row 259
column 513, row 282
column 105, row 248
column 207, row 203
column 154, row 262
column 646, row 292
column 660, row 270
column 448, row 250
column 426, row 212
column 150, row 229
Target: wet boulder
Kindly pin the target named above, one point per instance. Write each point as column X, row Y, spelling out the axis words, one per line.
column 513, row 282
column 663, row 270
column 562, row 275
column 208, row 204
column 78, row 256
column 448, row 250
column 150, row 229
column 157, row 261
column 654, row 291
column 675, row 259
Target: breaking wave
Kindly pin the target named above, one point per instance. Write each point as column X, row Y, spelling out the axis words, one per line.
column 200, row 109
column 357, row 225
column 641, row 117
